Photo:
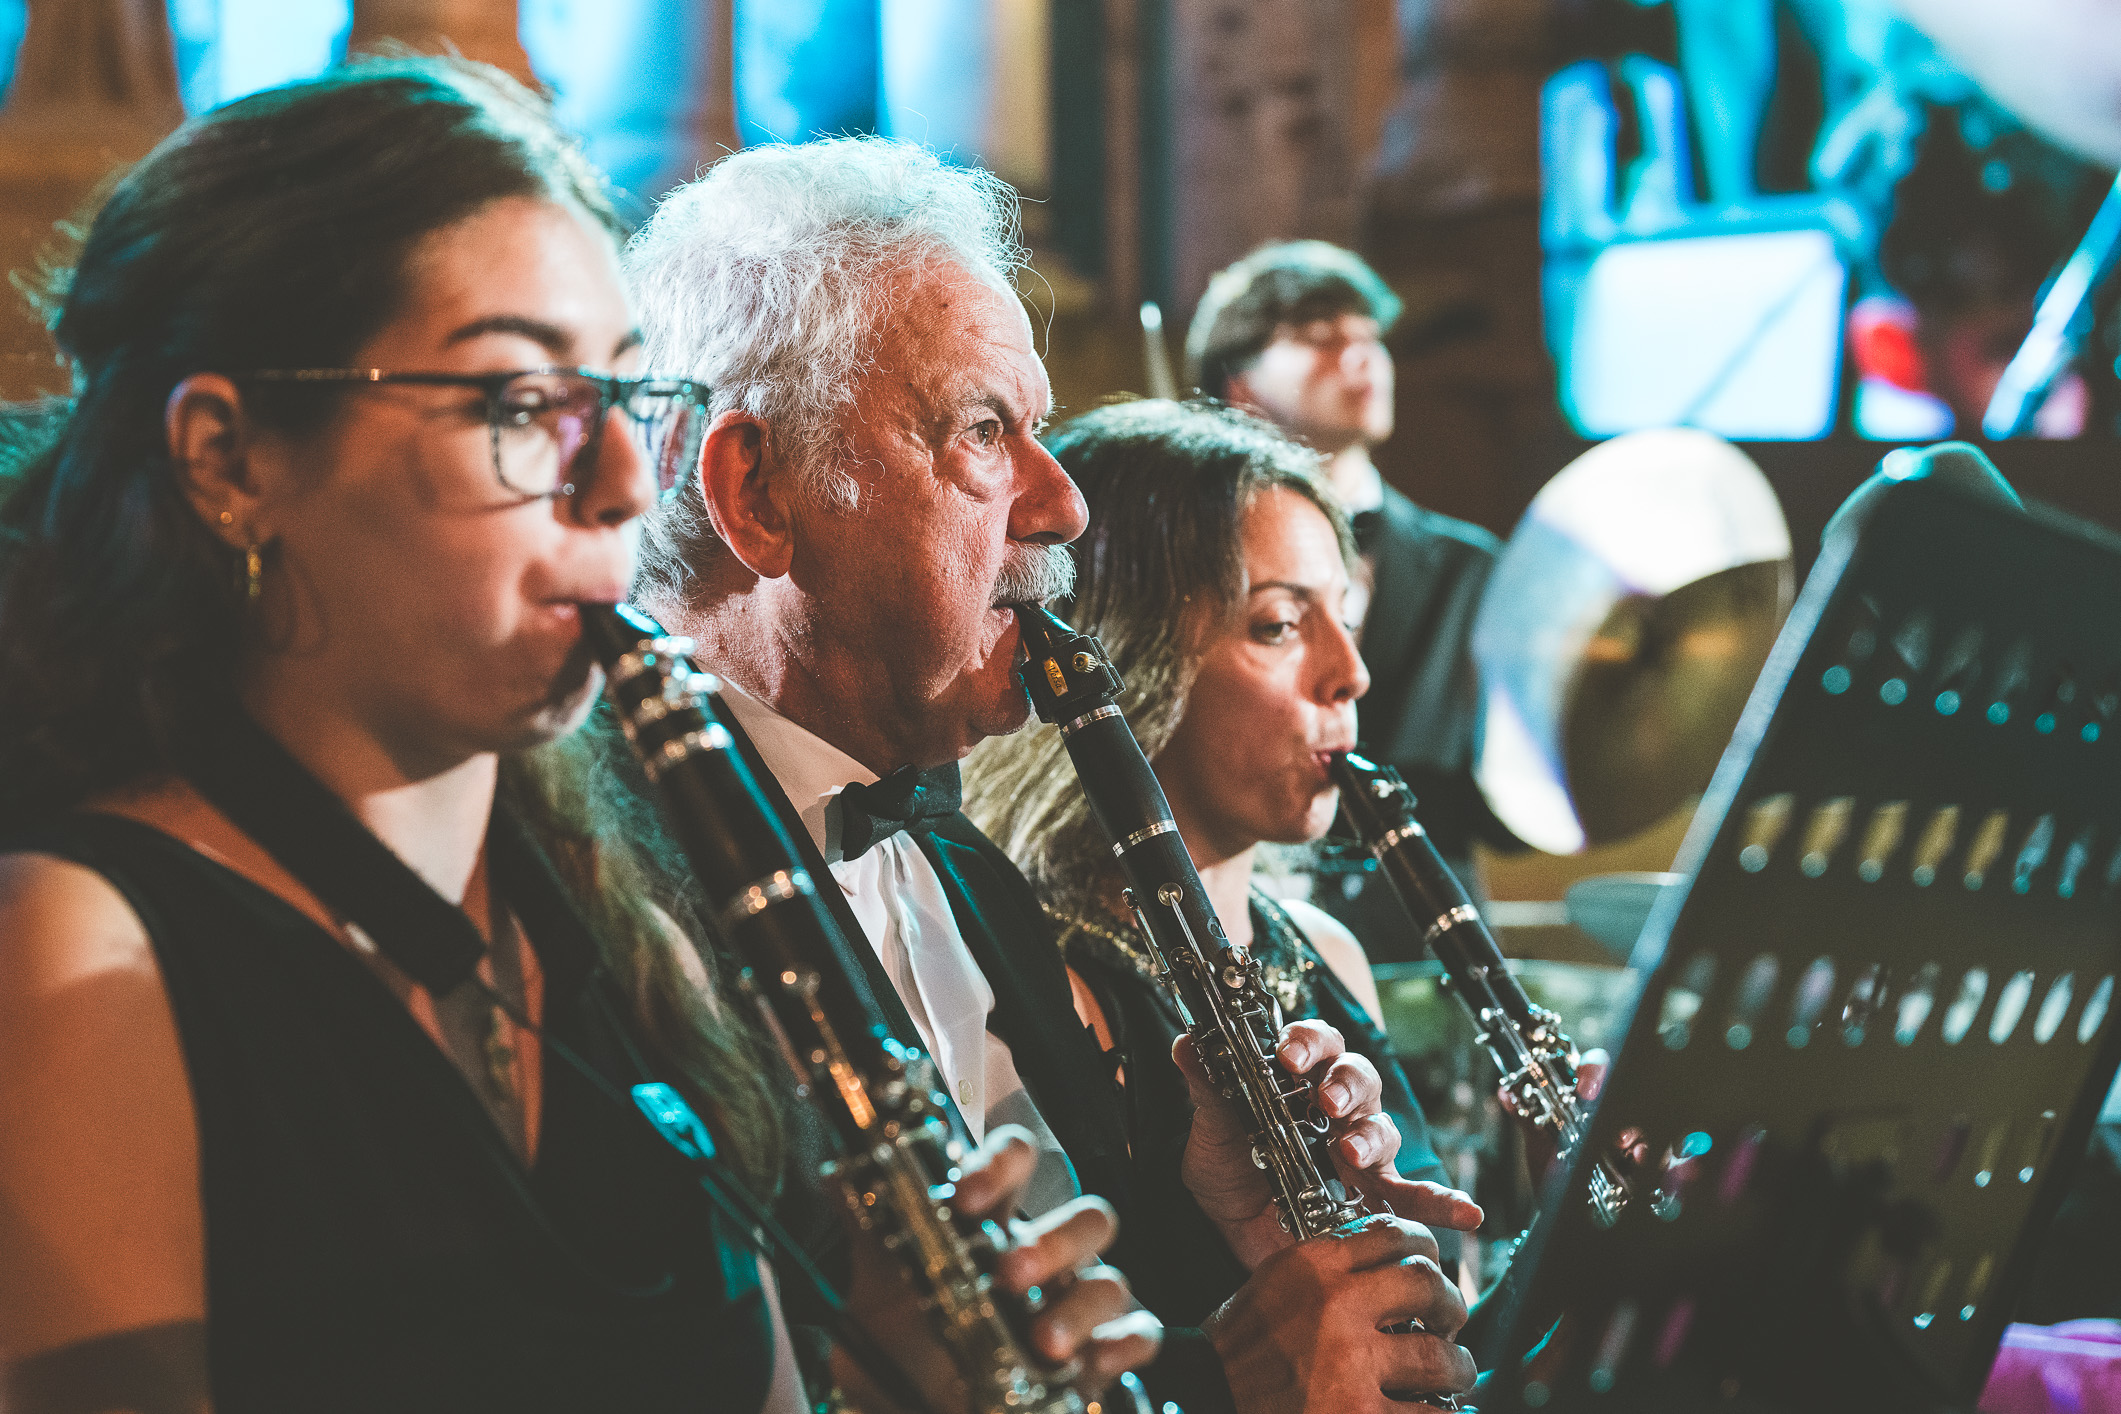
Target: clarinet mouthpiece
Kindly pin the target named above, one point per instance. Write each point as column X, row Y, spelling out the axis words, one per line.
column 1064, row 670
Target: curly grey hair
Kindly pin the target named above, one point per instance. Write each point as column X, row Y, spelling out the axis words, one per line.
column 768, row 280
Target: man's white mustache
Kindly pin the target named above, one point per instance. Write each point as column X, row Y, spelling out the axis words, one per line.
column 1035, row 574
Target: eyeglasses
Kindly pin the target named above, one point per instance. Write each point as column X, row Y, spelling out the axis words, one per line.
column 545, row 423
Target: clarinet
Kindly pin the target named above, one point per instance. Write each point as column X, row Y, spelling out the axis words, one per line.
column 899, row 1150
column 1536, row 1057
column 1221, row 996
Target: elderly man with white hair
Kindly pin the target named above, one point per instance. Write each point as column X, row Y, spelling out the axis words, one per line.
column 871, row 500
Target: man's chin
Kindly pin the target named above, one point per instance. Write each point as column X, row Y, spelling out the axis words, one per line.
column 1002, row 718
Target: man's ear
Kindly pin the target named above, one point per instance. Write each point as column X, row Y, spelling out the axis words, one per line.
column 209, row 449
column 745, row 503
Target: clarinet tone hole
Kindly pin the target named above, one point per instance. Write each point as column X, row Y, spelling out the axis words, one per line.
column 2053, row 1008
column 2010, row 1006
column 1931, row 1290
column 1977, row 1285
column 1912, row 642
column 1916, row 1003
column 1988, row 843
column 1809, row 1000
column 1935, row 844
column 1990, row 1152
column 1880, row 838
column 1754, row 990
column 1866, row 997
column 2074, row 859
column 2034, row 1151
column 1765, row 822
column 2094, row 1013
column 1682, row 1001
column 1959, row 1016
column 1823, row 834
column 2032, row 854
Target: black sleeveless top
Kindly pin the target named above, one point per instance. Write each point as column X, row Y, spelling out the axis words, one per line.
column 371, row 1240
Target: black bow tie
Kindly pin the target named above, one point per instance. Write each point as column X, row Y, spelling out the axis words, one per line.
column 1366, row 525
column 901, row 800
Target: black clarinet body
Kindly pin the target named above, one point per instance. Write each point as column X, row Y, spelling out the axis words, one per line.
column 899, row 1149
column 1537, row 1059
column 1232, row 1017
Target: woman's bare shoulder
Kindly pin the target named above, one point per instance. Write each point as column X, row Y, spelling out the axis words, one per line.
column 1321, row 929
column 62, row 920
column 100, row 1171
column 1341, row 951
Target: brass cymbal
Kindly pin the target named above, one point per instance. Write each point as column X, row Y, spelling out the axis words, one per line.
column 1621, row 632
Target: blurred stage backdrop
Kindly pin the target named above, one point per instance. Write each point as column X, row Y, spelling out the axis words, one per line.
column 1748, row 216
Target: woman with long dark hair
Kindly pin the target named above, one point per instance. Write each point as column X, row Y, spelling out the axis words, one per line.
column 1215, row 572
column 323, row 981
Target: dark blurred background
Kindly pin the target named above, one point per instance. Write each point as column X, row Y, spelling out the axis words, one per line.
column 1792, row 222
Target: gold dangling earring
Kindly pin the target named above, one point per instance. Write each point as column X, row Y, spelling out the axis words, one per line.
column 253, row 572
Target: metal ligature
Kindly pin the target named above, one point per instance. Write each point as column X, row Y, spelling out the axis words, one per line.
column 1233, row 1018
column 900, row 1151
column 1536, row 1057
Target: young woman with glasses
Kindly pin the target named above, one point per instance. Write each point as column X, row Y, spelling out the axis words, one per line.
column 322, row 980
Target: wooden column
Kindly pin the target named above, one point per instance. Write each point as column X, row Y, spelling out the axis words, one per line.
column 1122, row 272
column 95, row 87
column 1452, row 223
column 1262, row 125
column 484, row 30
column 702, row 116
column 719, row 133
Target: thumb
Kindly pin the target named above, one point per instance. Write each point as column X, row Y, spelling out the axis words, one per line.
column 1434, row 1205
column 1216, row 1122
column 1199, row 1088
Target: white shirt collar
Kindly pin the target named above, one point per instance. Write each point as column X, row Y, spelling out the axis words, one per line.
column 810, row 769
column 1368, row 493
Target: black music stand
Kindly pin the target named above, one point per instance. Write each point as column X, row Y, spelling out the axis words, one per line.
column 1876, row 1029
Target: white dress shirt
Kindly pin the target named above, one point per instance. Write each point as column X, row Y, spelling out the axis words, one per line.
column 894, row 894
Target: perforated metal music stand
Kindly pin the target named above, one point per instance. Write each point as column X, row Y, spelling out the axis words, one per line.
column 1876, row 1029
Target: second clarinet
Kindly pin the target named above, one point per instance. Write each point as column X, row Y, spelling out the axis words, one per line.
column 1537, row 1059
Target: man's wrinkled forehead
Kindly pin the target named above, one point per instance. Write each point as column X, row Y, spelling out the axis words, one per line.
column 962, row 343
